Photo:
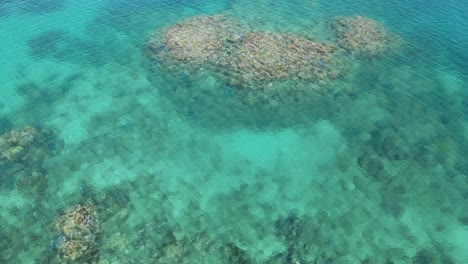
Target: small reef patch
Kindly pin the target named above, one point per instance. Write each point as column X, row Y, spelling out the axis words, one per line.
column 363, row 36
column 78, row 230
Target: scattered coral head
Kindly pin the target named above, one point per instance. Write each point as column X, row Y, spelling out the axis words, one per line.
column 362, row 36
column 20, row 144
column 72, row 249
column 78, row 229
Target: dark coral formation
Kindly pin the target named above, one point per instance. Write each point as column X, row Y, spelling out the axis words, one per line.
column 290, row 228
column 22, row 155
column 62, row 46
column 78, row 230
column 46, row 43
column 175, row 250
column 235, row 255
column 305, row 240
column 24, row 145
column 199, row 248
column 362, row 36
column 432, row 255
column 244, row 56
column 372, row 165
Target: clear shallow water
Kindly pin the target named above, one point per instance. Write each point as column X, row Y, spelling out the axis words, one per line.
column 185, row 169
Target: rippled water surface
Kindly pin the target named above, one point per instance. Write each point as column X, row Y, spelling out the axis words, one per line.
column 184, row 165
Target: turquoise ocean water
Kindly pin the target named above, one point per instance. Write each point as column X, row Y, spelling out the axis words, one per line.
column 184, row 168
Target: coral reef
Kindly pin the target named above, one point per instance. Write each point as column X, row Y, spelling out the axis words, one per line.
column 291, row 229
column 362, row 36
column 46, row 43
column 372, row 165
column 243, row 56
column 272, row 56
column 200, row 248
column 78, row 229
column 22, row 154
column 196, row 40
column 432, row 255
column 304, row 239
column 26, row 144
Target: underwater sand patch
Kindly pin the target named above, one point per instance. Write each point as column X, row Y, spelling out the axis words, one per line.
column 363, row 36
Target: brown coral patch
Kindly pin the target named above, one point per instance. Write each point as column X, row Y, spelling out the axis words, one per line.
column 363, row 36
column 270, row 56
column 242, row 56
column 195, row 40
column 78, row 229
